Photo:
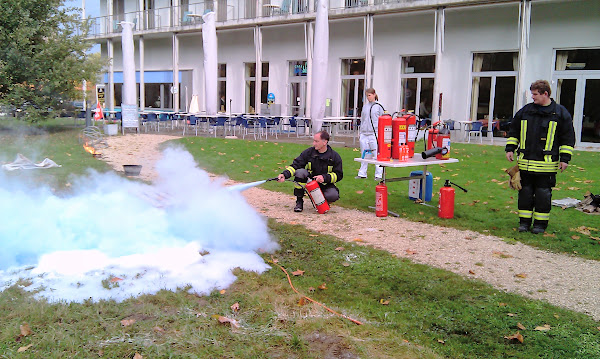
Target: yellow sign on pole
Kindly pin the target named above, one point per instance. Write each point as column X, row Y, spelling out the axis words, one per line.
column 100, row 91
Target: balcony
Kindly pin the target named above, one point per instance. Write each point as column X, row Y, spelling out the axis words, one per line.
column 247, row 13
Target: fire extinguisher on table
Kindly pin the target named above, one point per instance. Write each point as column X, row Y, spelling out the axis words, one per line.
column 446, row 206
column 438, row 143
column 384, row 138
column 316, row 196
column 398, row 136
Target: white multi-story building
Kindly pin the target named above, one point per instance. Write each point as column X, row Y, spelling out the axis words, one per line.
column 476, row 57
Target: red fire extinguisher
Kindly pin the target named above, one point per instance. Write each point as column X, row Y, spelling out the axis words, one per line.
column 398, row 136
column 316, row 196
column 446, row 207
column 384, row 138
column 381, row 200
column 439, row 138
column 411, row 133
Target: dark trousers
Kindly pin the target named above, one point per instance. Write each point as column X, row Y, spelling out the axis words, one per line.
column 535, row 197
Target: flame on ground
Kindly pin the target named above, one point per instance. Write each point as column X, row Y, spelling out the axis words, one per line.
column 91, row 149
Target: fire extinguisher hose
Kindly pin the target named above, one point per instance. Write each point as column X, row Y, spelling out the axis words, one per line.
column 312, row 300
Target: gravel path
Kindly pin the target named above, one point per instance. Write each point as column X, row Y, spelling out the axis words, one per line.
column 559, row 279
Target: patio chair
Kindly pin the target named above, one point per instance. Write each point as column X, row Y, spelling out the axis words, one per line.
column 248, row 127
column 150, row 120
column 219, row 122
column 475, row 130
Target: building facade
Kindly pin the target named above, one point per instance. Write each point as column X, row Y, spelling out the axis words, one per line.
column 446, row 59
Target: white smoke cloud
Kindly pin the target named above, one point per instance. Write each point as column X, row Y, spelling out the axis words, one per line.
column 184, row 231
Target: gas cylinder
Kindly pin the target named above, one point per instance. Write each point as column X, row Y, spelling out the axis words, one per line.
column 411, row 133
column 316, row 196
column 381, row 200
column 446, row 207
column 398, row 136
column 384, row 138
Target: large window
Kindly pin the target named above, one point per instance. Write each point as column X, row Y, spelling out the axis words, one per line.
column 250, row 78
column 417, row 80
column 353, row 87
column 222, row 87
column 578, row 89
column 494, row 81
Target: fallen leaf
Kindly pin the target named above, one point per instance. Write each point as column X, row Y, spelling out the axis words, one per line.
column 339, row 249
column 22, row 349
column 246, row 171
column 313, row 235
column 516, row 336
column 298, row 272
column 502, row 304
column 346, row 264
column 115, row 279
column 441, row 341
column 158, row 329
column 222, row 291
column 543, row 328
column 575, row 237
column 235, row 307
column 384, row 302
column 409, row 251
column 322, row 286
column 311, row 289
column 302, row 301
column 25, row 330
column 127, row 322
column 551, row 235
column 360, row 192
column 358, row 240
column 138, row 356
column 521, row 275
column 225, row 320
column 471, row 271
column 521, row 326
column 510, row 314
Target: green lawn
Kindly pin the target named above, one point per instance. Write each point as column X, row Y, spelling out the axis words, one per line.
column 408, row 310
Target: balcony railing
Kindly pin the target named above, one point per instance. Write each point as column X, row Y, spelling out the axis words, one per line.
column 175, row 17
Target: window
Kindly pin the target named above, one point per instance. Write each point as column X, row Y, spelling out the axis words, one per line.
column 417, row 79
column 222, row 87
column 297, row 80
column 353, row 87
column 251, row 85
column 494, row 81
column 579, row 59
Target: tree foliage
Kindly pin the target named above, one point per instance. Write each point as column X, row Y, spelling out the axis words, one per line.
column 44, row 56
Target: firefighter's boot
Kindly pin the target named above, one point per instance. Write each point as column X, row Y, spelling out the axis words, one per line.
column 299, row 193
column 539, row 227
column 299, row 204
column 524, row 224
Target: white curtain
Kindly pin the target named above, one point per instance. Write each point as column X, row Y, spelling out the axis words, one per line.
column 477, row 64
column 319, row 66
column 128, row 64
column 561, row 65
column 209, row 46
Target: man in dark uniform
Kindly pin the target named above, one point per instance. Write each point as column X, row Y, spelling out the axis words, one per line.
column 543, row 135
column 322, row 164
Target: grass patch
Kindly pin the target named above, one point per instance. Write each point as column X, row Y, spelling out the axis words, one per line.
column 489, row 207
column 430, row 313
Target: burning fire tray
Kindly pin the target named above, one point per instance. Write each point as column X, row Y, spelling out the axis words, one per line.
column 132, row 170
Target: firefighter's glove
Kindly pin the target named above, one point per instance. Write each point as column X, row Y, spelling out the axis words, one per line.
column 515, row 177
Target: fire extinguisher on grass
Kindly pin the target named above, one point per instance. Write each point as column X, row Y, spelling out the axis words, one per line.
column 316, row 196
column 446, row 207
column 381, row 209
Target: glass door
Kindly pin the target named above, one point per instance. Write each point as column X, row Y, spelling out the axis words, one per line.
column 352, row 96
column 580, row 95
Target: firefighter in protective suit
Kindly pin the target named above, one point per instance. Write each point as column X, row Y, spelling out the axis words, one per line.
column 542, row 134
column 322, row 164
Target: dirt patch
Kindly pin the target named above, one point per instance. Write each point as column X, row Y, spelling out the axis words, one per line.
column 560, row 279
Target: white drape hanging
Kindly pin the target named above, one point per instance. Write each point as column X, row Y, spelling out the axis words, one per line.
column 477, row 64
column 319, row 66
column 129, row 83
column 209, row 45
